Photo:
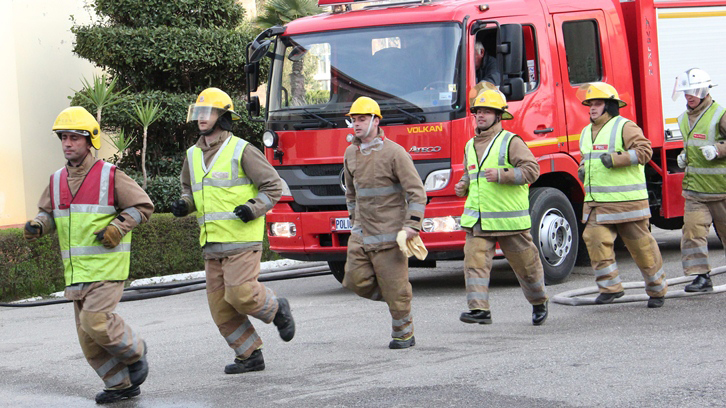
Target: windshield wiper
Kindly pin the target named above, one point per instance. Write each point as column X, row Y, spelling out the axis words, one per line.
column 320, row 118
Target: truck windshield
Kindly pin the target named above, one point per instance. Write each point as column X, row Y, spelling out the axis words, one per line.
column 411, row 67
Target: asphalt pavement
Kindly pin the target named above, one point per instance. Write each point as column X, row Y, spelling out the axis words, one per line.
column 621, row 355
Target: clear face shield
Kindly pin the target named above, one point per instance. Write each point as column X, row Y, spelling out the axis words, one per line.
column 205, row 113
column 687, row 85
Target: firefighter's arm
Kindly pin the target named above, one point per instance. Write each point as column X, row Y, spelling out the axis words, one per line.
column 637, row 147
column 350, row 197
column 43, row 223
column 526, row 168
column 134, row 204
column 462, row 187
column 721, row 144
column 265, row 178
column 413, row 186
column 186, row 187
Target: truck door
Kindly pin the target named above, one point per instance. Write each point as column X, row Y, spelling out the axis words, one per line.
column 582, row 49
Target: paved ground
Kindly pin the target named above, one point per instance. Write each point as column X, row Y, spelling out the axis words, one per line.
column 622, row 355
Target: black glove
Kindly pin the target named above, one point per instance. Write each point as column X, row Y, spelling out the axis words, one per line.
column 581, row 173
column 244, row 213
column 607, row 160
column 179, row 208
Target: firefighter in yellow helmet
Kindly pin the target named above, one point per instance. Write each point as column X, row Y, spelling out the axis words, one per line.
column 614, row 152
column 94, row 232
column 498, row 163
column 384, row 195
column 230, row 185
column 703, row 126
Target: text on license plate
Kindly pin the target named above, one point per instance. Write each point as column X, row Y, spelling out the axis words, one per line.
column 343, row 224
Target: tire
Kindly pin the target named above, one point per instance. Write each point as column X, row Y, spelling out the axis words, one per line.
column 555, row 232
column 338, row 269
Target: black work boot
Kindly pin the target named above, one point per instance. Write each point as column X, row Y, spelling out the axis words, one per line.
column 605, row 298
column 477, row 316
column 656, row 302
column 283, row 320
column 254, row 362
column 108, row 396
column 539, row 313
column 401, row 343
column 702, row 283
column 140, row 369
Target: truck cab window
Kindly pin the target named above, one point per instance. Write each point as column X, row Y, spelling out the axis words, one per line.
column 531, row 59
column 582, row 46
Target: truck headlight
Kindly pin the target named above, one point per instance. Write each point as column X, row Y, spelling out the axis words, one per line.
column 269, row 139
column 283, row 229
column 436, row 180
column 441, row 224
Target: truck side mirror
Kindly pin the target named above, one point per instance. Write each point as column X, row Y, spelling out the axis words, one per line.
column 253, row 106
column 252, row 74
column 513, row 89
column 510, row 47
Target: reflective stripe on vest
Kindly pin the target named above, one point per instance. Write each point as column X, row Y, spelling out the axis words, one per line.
column 702, row 175
column 500, row 207
column 610, row 185
column 77, row 217
column 218, row 189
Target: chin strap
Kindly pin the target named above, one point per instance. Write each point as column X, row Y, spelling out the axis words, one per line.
column 212, row 129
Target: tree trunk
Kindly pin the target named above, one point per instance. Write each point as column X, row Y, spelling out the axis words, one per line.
column 297, row 84
column 143, row 158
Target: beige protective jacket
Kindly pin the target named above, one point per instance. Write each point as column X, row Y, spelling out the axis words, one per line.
column 127, row 195
column 384, row 193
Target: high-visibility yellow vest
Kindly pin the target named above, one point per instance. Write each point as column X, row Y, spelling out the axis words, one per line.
column 702, row 175
column 500, row 207
column 76, row 218
column 218, row 189
column 616, row 184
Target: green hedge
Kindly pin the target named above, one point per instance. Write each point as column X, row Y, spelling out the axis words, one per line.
column 165, row 246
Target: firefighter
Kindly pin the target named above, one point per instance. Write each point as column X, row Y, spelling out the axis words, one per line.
column 94, row 206
column 384, row 195
column 614, row 152
column 231, row 186
column 498, row 164
column 703, row 126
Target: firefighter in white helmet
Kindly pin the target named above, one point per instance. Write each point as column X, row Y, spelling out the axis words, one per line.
column 614, row 152
column 703, row 126
column 94, row 206
column 498, row 163
column 384, row 195
column 230, row 185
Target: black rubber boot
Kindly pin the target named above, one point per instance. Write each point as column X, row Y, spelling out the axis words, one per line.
column 539, row 314
column 656, row 302
column 402, row 344
column 605, row 298
column 702, row 283
column 477, row 316
column 140, row 369
column 254, row 362
column 109, row 396
column 283, row 320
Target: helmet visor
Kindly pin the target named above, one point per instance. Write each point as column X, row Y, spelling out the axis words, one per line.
column 197, row 112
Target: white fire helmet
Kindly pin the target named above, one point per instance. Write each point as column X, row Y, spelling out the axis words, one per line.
column 694, row 82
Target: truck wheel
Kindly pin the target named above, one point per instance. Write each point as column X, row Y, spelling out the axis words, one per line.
column 554, row 231
column 338, row 269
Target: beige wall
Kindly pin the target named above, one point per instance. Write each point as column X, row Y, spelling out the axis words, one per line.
column 38, row 73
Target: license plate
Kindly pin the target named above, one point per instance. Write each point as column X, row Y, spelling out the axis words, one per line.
column 343, row 224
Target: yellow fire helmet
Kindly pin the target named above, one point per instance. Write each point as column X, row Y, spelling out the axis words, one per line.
column 598, row 90
column 77, row 119
column 365, row 106
column 493, row 99
column 208, row 99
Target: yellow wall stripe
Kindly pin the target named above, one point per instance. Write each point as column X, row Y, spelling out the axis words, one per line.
column 693, row 14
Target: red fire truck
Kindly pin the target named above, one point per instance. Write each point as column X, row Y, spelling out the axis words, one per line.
column 415, row 58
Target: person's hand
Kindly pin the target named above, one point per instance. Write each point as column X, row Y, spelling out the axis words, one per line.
column 581, row 173
column 110, row 236
column 607, row 160
column 179, row 208
column 492, row 175
column 244, row 213
column 410, row 233
column 709, row 152
column 32, row 231
column 460, row 188
column 682, row 162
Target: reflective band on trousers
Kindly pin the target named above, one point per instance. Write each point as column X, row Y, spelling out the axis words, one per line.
column 702, row 175
column 615, row 184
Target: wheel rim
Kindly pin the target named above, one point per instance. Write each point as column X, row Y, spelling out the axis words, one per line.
column 555, row 237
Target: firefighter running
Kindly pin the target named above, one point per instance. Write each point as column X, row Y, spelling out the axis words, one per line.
column 94, row 206
column 498, row 164
column 614, row 152
column 231, row 186
column 703, row 126
column 384, row 195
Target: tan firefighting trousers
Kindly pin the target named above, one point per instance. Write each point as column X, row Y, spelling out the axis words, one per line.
column 381, row 275
column 523, row 257
column 234, row 293
column 696, row 224
column 600, row 238
column 108, row 343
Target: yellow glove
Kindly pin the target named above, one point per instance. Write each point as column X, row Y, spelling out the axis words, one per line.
column 402, row 244
column 417, row 247
column 109, row 236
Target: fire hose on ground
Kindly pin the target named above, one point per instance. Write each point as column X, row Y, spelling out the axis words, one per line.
column 573, row 297
column 167, row 289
